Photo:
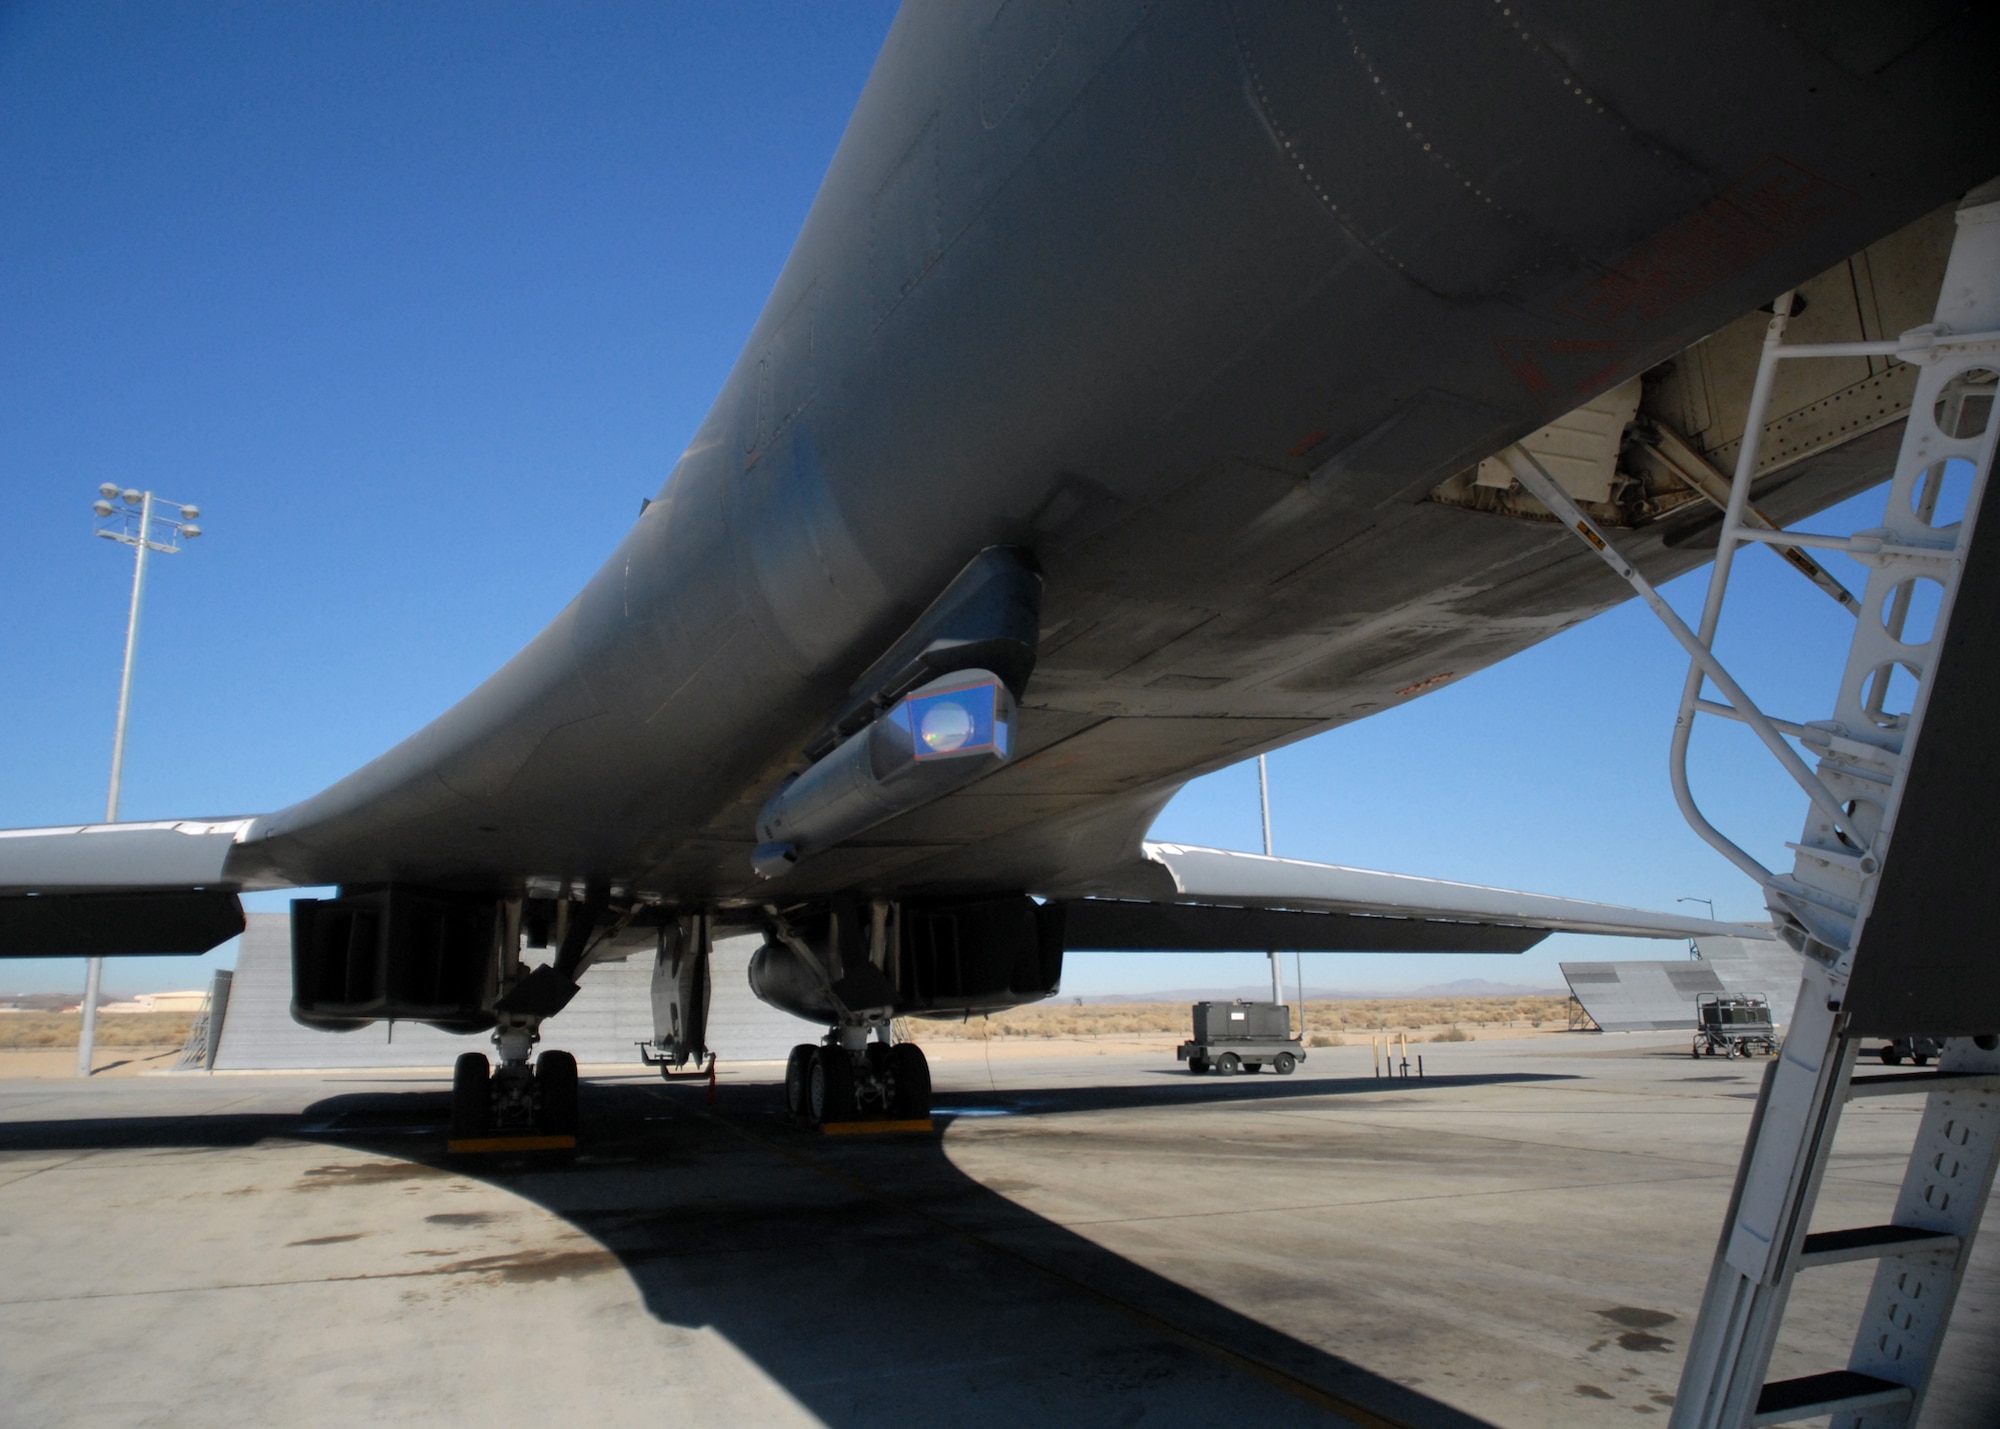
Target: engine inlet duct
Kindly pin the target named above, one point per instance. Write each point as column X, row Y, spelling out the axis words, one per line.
column 937, row 738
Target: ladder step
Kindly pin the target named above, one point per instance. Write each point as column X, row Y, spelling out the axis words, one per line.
column 1898, row 1084
column 1869, row 1242
column 1786, row 1401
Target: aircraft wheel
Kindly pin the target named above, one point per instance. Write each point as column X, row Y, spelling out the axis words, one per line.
column 910, row 1076
column 555, row 1093
column 1229, row 1064
column 1283, row 1063
column 798, row 1072
column 471, row 1097
column 830, row 1087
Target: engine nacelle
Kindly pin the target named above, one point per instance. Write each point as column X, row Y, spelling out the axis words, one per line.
column 392, row 951
column 781, row 976
column 948, row 957
column 979, row 955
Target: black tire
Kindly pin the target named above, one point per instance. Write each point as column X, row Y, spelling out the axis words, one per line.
column 1229, row 1064
column 1283, row 1064
column 1198, row 1065
column 1892, row 1056
column 471, row 1096
column 1253, row 1066
column 909, row 1082
column 1711, row 1049
column 1922, row 1059
column 798, row 1071
column 830, row 1087
column 555, row 1094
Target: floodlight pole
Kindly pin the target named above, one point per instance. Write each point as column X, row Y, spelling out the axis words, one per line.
column 142, row 544
column 1264, row 807
column 93, row 982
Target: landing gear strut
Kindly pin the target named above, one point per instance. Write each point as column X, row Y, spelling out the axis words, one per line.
column 515, row 1098
column 849, row 1078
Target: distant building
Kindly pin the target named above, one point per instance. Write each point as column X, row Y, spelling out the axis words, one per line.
column 189, row 1002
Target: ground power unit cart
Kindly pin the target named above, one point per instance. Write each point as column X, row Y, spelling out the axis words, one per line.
column 1733, row 1027
column 1233, row 1037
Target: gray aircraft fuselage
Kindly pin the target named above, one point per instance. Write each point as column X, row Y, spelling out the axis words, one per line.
column 1196, row 301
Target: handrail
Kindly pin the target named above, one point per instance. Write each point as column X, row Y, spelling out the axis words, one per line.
column 1536, row 479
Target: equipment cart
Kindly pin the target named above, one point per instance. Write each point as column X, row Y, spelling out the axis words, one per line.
column 1237, row 1037
column 1733, row 1027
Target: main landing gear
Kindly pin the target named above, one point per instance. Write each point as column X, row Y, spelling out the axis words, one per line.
column 848, row 1078
column 515, row 1099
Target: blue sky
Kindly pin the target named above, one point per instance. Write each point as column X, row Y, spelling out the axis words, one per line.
column 417, row 302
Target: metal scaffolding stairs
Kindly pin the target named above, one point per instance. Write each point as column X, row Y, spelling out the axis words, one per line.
column 1864, row 753
column 205, row 1033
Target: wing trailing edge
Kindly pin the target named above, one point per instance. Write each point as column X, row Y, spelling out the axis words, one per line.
column 113, row 890
column 1180, row 898
column 120, row 858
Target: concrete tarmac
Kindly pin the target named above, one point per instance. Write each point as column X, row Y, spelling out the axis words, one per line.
column 1097, row 1237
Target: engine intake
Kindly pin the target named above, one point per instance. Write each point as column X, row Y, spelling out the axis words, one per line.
column 415, row 954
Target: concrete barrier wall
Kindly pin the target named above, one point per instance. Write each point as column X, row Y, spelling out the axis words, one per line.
column 611, row 1014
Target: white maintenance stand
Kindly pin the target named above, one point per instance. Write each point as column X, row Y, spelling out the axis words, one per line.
column 1863, row 778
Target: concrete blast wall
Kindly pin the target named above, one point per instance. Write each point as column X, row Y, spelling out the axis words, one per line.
column 1661, row 996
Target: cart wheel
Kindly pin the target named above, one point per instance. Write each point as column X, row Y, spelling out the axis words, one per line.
column 1283, row 1063
column 1695, row 1051
column 1198, row 1065
column 1892, row 1057
column 1229, row 1064
column 1922, row 1059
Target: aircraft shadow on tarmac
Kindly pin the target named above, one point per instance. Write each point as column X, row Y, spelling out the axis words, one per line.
column 868, row 1276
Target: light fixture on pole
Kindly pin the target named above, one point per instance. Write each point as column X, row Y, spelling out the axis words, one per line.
column 1693, row 951
column 142, row 521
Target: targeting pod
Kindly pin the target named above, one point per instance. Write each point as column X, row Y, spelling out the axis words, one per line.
column 937, row 738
